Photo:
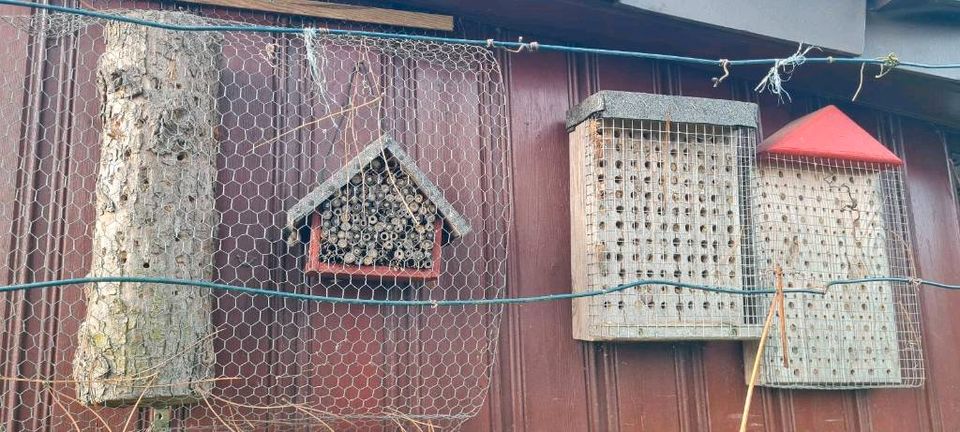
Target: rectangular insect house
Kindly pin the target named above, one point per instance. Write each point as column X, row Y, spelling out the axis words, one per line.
column 378, row 216
column 657, row 187
column 829, row 206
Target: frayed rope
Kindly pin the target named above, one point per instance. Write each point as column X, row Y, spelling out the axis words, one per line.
column 773, row 81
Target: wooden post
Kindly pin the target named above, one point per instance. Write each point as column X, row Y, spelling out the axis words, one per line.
column 140, row 342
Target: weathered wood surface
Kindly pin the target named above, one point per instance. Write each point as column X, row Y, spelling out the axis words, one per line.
column 656, row 208
column 155, row 217
column 346, row 12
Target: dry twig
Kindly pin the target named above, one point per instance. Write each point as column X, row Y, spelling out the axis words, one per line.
column 762, row 344
column 56, row 400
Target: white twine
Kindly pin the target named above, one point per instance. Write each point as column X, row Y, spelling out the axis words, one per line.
column 773, row 81
column 317, row 65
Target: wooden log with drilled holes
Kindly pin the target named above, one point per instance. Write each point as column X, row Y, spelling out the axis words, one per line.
column 155, row 217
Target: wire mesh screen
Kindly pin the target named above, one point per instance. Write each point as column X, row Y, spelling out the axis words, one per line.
column 135, row 151
column 823, row 220
column 661, row 200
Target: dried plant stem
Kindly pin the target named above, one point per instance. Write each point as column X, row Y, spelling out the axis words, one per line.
column 235, row 415
column 217, row 415
column 300, row 407
column 256, row 407
column 399, row 425
column 783, row 329
column 56, row 400
column 136, row 405
column 312, row 415
column 62, row 381
column 315, row 121
column 85, row 406
column 767, row 323
column 403, row 416
column 756, row 366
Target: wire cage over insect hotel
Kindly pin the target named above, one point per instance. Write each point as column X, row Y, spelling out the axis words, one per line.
column 659, row 186
column 830, row 205
column 371, row 171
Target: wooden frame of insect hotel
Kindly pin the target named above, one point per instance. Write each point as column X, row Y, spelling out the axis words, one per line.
column 830, row 205
column 658, row 184
column 378, row 216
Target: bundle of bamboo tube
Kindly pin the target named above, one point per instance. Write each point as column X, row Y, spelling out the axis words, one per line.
column 378, row 218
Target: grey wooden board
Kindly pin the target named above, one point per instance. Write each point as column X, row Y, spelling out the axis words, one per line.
column 661, row 211
column 679, row 109
column 456, row 224
column 821, row 225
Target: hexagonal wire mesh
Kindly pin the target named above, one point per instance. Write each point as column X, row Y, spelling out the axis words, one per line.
column 147, row 152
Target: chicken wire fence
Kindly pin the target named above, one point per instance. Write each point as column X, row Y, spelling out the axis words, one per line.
column 253, row 159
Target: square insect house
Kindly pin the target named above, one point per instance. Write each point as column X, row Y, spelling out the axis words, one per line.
column 830, row 206
column 657, row 187
column 377, row 217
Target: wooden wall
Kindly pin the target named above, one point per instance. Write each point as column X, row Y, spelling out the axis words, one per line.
column 544, row 380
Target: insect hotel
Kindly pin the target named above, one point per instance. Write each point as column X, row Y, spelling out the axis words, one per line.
column 378, row 216
column 657, row 184
column 828, row 201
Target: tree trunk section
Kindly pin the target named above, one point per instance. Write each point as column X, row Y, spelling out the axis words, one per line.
column 155, row 217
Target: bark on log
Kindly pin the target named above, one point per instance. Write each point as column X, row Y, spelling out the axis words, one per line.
column 155, row 217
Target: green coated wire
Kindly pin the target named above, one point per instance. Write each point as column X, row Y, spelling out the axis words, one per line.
column 474, row 42
column 461, row 302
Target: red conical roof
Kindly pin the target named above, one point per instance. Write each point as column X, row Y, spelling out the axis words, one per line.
column 829, row 134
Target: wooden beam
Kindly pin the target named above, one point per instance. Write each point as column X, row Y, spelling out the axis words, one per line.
column 344, row 12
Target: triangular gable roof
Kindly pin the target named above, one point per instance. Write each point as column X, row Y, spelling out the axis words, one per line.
column 457, row 224
column 828, row 133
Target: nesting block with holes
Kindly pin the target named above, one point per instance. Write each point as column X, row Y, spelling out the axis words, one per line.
column 379, row 216
column 657, row 184
column 824, row 211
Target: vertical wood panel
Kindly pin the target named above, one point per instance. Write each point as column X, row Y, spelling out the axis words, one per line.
column 937, row 251
column 552, row 387
column 884, row 409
